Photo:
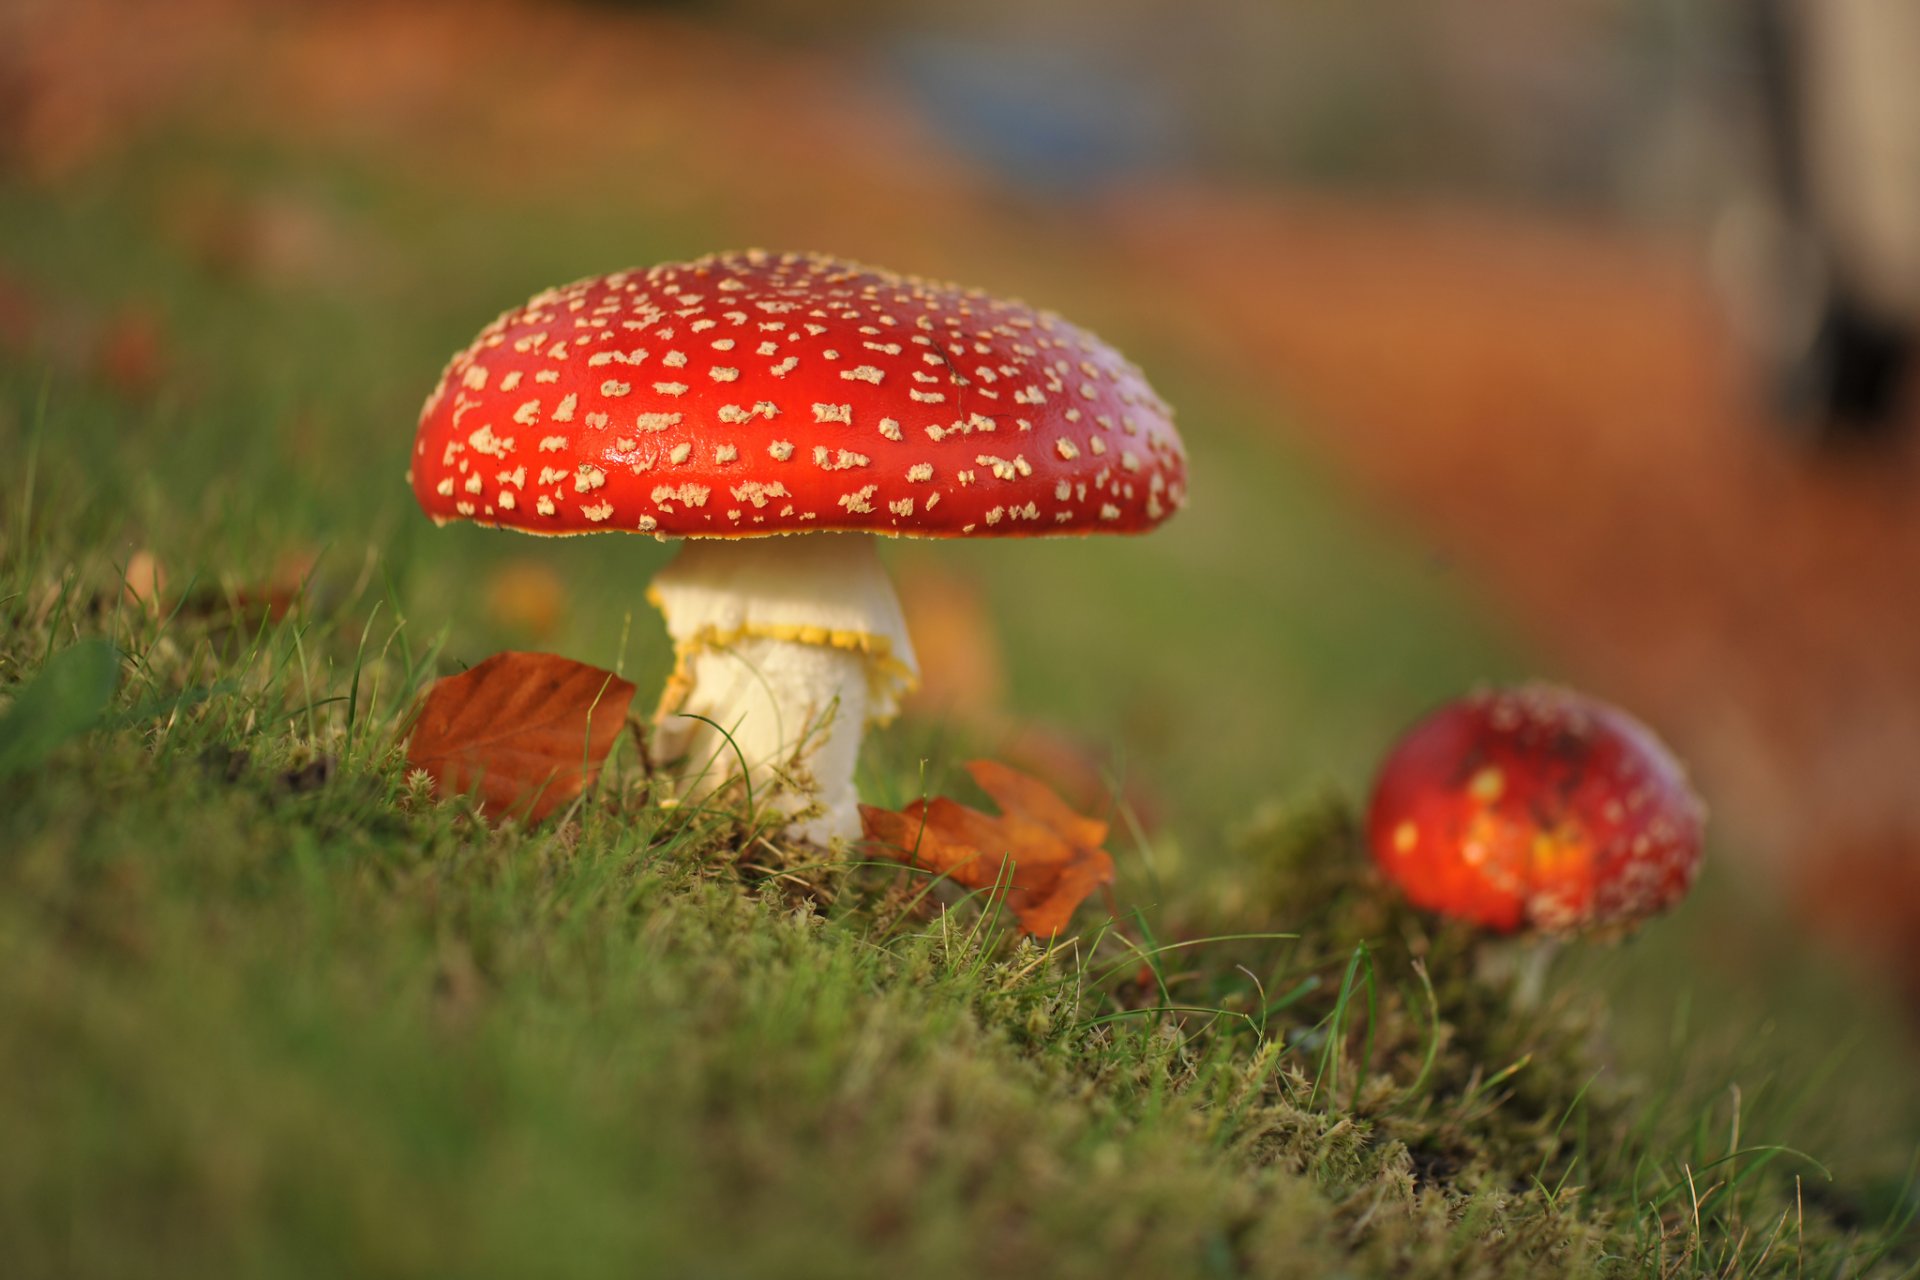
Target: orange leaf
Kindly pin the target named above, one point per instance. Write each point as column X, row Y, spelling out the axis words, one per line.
column 1045, row 857
column 527, row 732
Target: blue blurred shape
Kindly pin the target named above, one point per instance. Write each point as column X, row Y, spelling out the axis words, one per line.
column 1051, row 119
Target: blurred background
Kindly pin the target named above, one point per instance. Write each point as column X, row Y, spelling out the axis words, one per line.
column 1509, row 339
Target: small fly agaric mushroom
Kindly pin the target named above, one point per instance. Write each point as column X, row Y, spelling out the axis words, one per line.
column 744, row 396
column 1539, row 809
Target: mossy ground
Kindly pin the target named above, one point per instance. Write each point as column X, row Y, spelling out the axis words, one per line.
column 266, row 1008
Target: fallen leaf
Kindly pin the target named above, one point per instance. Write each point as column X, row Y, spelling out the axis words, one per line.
column 962, row 671
column 1077, row 769
column 131, row 354
column 526, row 732
column 1043, row 855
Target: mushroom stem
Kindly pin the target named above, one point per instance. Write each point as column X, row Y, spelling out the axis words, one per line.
column 1521, row 965
column 785, row 649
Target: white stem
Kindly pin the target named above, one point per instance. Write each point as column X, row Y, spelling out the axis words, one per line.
column 1520, row 964
column 789, row 646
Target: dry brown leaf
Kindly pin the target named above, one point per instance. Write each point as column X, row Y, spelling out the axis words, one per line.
column 1078, row 769
column 526, row 732
column 131, row 352
column 1045, row 856
column 962, row 671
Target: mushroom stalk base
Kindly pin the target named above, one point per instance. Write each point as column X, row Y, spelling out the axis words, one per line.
column 786, row 648
column 1521, row 965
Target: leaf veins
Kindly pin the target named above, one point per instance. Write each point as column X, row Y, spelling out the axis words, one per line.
column 1042, row 855
column 525, row 732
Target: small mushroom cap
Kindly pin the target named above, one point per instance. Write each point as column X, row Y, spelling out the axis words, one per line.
column 755, row 393
column 1536, row 808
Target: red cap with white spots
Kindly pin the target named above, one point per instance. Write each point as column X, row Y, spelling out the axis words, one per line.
column 1536, row 808
column 756, row 393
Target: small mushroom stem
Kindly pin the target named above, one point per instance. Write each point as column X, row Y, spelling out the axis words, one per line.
column 1521, row 965
column 785, row 649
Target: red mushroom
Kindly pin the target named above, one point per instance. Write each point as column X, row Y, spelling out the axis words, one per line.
column 752, row 394
column 1536, row 808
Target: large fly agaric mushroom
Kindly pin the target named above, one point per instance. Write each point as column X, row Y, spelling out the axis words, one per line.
column 1538, row 809
column 745, row 396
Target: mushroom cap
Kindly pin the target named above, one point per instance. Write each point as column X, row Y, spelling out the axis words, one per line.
column 1536, row 808
column 756, row 393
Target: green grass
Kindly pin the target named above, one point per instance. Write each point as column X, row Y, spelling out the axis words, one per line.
column 265, row 1008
